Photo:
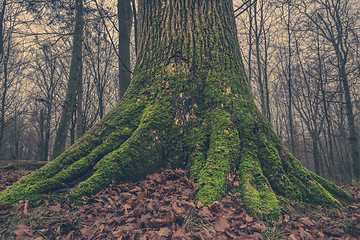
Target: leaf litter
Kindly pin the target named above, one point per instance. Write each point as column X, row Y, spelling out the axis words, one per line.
column 163, row 206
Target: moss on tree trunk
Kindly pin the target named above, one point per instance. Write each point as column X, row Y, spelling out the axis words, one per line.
column 188, row 105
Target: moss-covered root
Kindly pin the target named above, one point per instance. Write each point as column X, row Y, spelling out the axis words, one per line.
column 256, row 192
column 221, row 156
column 290, row 179
column 32, row 188
column 142, row 154
column 332, row 188
column 104, row 137
column 312, row 191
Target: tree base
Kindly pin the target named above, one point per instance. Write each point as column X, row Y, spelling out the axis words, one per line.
column 138, row 139
column 205, row 121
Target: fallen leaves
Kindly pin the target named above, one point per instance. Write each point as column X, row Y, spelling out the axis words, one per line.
column 163, row 206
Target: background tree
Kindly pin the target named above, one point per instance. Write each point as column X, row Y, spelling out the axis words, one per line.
column 73, row 83
column 125, row 25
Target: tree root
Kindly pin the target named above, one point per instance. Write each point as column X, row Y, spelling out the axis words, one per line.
column 140, row 137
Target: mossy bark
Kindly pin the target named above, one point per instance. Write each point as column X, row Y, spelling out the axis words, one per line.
column 188, row 105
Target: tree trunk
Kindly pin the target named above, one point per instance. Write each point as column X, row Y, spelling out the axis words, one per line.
column 353, row 137
column 188, row 105
column 79, row 131
column 41, row 146
column 125, row 22
column 3, row 60
column 289, row 81
column 74, row 79
column 258, row 33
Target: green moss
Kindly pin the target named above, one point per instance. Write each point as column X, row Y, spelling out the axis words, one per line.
column 256, row 192
column 311, row 190
column 221, row 156
column 77, row 160
column 273, row 169
column 332, row 188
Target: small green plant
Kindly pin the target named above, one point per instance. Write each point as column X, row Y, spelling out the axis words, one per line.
column 193, row 223
column 273, row 231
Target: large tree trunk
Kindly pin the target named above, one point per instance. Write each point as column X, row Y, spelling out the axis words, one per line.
column 188, row 105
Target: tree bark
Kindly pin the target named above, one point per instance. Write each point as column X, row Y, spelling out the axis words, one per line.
column 41, row 145
column 74, row 79
column 125, row 24
column 3, row 60
column 289, row 81
column 188, row 105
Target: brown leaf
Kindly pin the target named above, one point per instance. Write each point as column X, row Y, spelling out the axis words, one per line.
column 177, row 209
column 292, row 237
column 157, row 222
column 215, row 207
column 257, row 227
column 304, row 234
column 56, row 208
column 200, row 236
column 243, row 226
column 166, row 208
column 127, row 207
column 104, row 228
column 135, row 190
column 180, row 234
column 86, row 231
column 131, row 220
column 248, row 218
column 221, row 224
column 39, row 238
column 164, row 232
column 306, row 221
column 246, row 237
column 156, row 177
column 144, row 218
column 26, row 212
column 22, row 230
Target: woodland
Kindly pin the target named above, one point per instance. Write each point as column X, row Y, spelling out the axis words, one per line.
column 244, row 114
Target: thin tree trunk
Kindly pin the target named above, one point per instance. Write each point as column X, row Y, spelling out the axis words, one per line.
column 41, row 146
column 344, row 146
column 266, row 77
column 133, row 5
column 250, row 46
column 79, row 111
column 290, row 114
column 258, row 32
column 74, row 79
column 47, row 130
column 305, row 146
column 3, row 60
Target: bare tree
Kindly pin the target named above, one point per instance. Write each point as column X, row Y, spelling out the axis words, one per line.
column 74, row 79
column 335, row 23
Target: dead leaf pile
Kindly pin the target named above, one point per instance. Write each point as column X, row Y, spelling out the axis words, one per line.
column 163, row 206
column 7, row 178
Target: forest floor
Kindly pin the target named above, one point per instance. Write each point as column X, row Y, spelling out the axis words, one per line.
column 162, row 206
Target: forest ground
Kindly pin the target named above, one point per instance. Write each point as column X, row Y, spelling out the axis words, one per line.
column 162, row 206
